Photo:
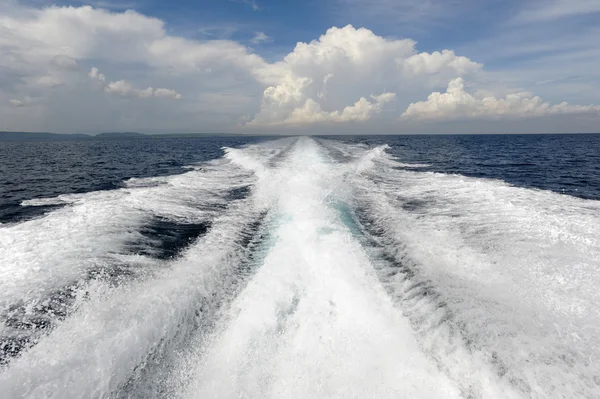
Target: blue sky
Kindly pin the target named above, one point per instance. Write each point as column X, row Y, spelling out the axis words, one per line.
column 233, row 65
column 434, row 26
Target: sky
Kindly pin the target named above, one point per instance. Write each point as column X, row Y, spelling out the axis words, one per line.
column 300, row 67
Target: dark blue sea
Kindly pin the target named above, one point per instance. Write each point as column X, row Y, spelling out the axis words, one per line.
column 40, row 169
column 448, row 266
column 566, row 163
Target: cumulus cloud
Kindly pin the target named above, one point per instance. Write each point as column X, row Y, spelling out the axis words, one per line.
column 167, row 93
column 457, row 103
column 347, row 77
column 145, row 93
column 37, row 35
column 126, row 89
column 360, row 111
column 94, row 74
column 433, row 63
column 317, row 80
column 122, row 88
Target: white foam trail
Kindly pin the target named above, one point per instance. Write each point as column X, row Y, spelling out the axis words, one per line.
column 314, row 321
column 44, row 254
column 96, row 350
column 412, row 165
column 492, row 293
column 60, row 200
column 114, row 332
column 517, row 271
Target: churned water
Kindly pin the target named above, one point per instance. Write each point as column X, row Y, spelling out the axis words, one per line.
column 333, row 267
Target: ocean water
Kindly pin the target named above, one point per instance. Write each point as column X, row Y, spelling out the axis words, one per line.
column 42, row 169
column 330, row 267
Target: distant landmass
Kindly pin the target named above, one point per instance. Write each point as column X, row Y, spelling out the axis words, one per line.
column 40, row 136
column 123, row 135
column 28, row 136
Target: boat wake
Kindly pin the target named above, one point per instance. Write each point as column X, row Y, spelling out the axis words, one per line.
column 303, row 268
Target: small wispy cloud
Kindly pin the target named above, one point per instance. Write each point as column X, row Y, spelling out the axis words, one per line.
column 250, row 3
column 410, row 14
column 548, row 11
column 220, row 31
column 21, row 103
column 260, row 37
column 64, row 62
column 109, row 4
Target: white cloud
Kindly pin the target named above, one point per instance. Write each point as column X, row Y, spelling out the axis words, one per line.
column 145, row 93
column 457, row 103
column 360, row 111
column 260, row 37
column 94, row 74
column 126, row 89
column 316, row 81
column 122, row 88
column 167, row 93
column 53, row 41
column 35, row 35
column 432, row 63
column 334, row 81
